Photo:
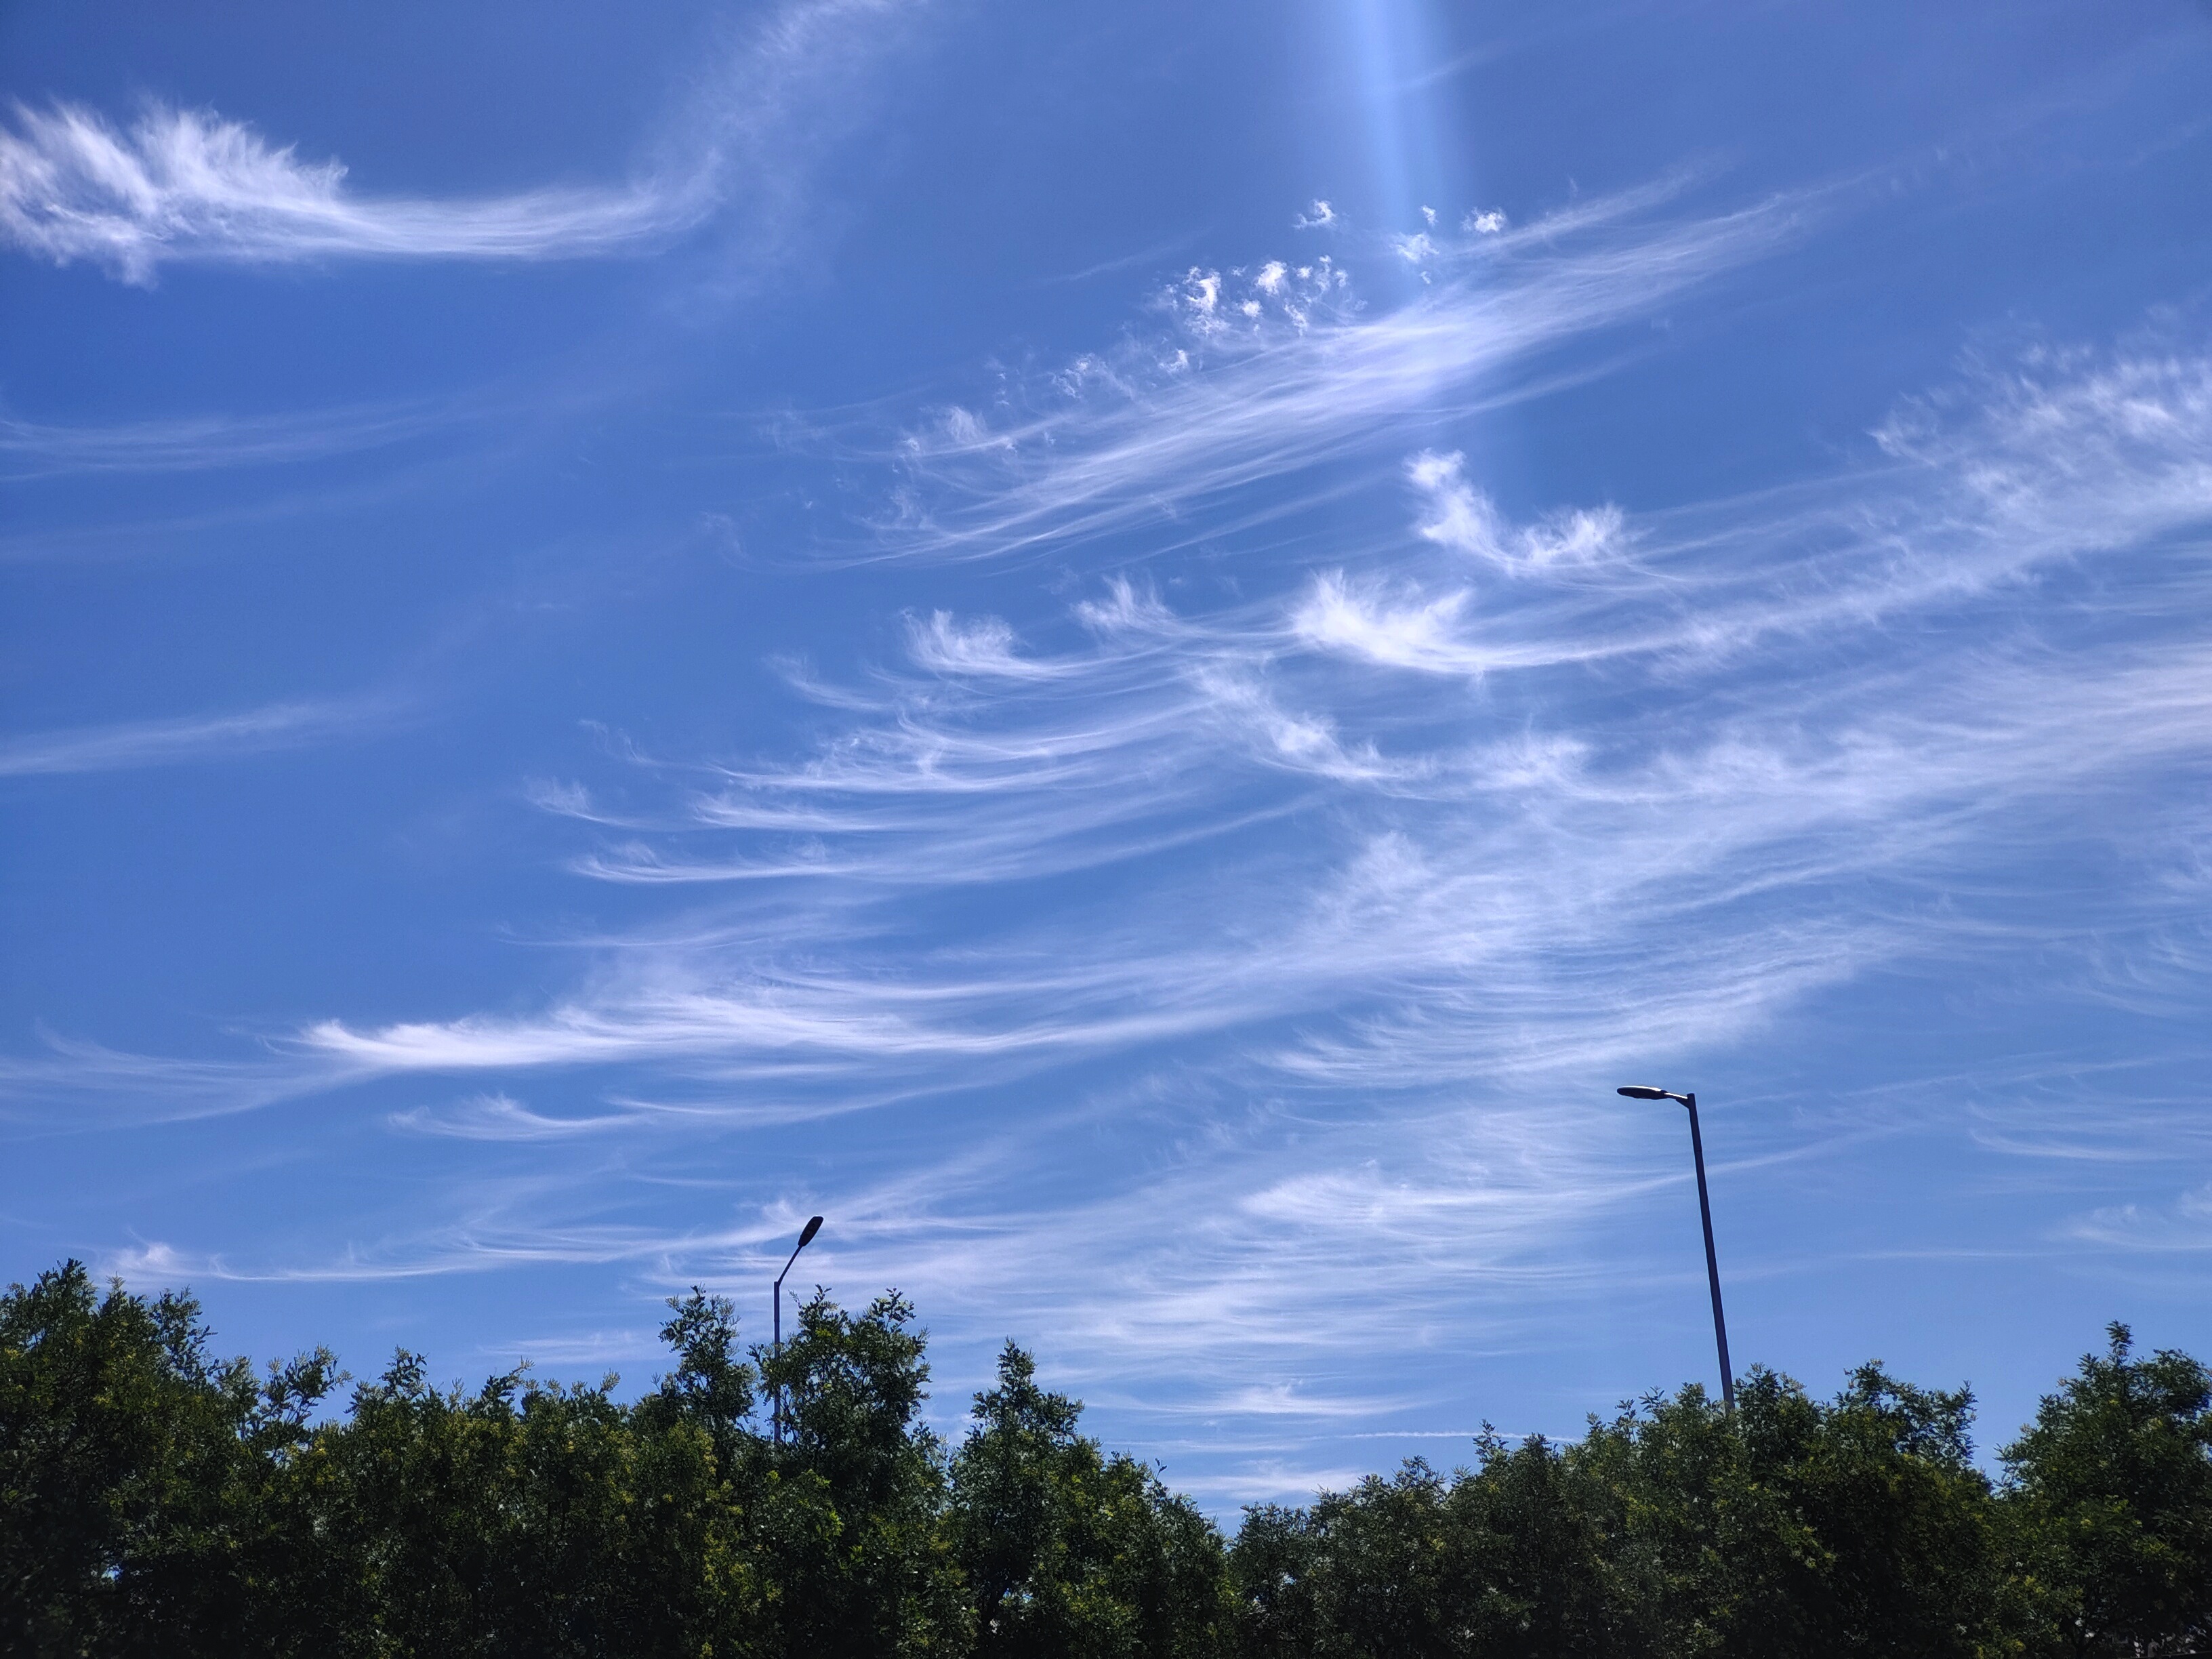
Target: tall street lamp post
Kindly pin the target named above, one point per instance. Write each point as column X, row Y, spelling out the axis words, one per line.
column 1644, row 1092
column 806, row 1238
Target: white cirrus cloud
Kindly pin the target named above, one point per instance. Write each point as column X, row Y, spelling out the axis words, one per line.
column 30, row 449
column 192, row 737
column 1269, row 887
column 1272, row 369
column 1458, row 515
column 1482, row 858
column 184, row 184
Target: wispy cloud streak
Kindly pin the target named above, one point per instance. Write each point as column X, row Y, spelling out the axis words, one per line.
column 30, row 449
column 192, row 187
column 181, row 185
column 178, row 741
column 1270, row 368
column 1490, row 863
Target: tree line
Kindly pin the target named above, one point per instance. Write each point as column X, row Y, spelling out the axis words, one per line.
column 157, row 1500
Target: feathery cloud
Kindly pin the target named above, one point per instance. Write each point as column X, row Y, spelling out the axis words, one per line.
column 182, row 185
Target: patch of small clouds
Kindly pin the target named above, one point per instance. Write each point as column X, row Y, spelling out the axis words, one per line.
column 1213, row 306
column 1262, row 369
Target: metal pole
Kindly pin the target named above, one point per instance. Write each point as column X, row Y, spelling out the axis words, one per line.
column 775, row 1317
column 1712, row 1261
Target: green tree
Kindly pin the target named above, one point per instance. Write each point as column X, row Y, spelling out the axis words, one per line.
column 156, row 1500
column 1371, row 1571
column 710, row 1387
column 1499, row 1560
column 1069, row 1552
column 134, row 1473
column 446, row 1522
column 1855, row 1526
column 846, row 1512
column 1537, row 1534
column 696, row 1584
column 2113, row 1484
column 1791, row 1528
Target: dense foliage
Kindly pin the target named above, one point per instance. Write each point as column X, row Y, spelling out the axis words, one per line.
column 153, row 1500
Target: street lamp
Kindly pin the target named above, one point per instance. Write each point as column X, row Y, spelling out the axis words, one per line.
column 1644, row 1092
column 806, row 1238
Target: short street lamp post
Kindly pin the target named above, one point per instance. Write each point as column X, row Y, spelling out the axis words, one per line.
column 806, row 1238
column 1643, row 1091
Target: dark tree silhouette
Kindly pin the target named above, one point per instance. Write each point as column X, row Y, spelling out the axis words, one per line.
column 155, row 1500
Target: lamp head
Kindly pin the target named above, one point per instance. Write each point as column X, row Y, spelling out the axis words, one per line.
column 812, row 1228
column 1643, row 1091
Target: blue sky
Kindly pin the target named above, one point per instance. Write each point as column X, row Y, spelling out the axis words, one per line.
column 1137, row 651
